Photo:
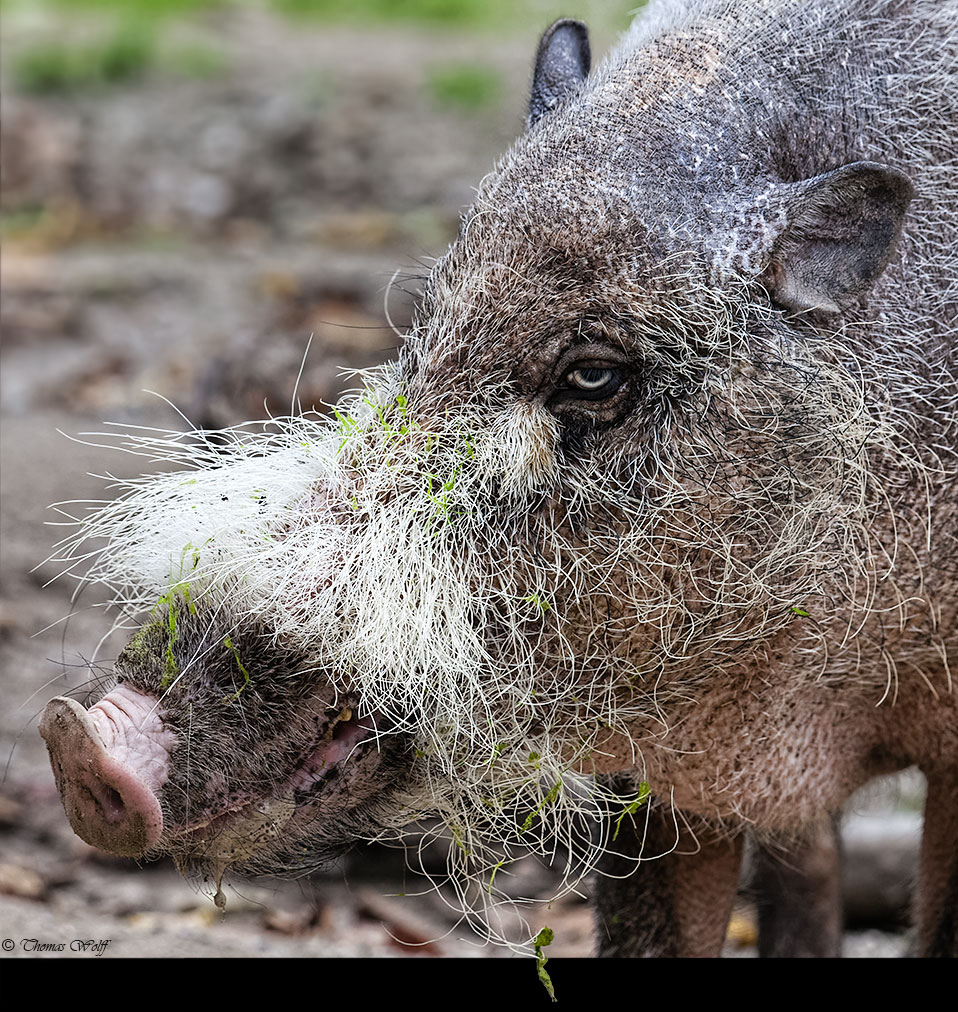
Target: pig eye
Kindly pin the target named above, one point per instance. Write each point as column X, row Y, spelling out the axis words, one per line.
column 594, row 382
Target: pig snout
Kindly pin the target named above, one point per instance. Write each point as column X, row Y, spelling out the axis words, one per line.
column 109, row 762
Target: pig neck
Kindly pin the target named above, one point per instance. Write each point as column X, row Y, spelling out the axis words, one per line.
column 781, row 743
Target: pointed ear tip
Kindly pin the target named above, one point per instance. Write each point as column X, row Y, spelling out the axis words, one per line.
column 883, row 176
column 578, row 28
column 879, row 168
column 575, row 24
column 904, row 185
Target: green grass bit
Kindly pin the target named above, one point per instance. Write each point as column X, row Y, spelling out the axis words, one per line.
column 348, row 426
column 228, row 643
column 541, row 603
column 170, row 667
column 457, row 836
column 544, row 938
column 632, row 807
column 547, row 800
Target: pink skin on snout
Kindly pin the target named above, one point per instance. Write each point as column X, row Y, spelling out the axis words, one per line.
column 109, row 762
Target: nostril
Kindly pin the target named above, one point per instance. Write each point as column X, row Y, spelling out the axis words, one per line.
column 108, row 800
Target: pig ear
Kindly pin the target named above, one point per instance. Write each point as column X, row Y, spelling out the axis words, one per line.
column 840, row 233
column 562, row 64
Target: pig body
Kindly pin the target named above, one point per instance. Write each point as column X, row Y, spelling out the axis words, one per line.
column 661, row 491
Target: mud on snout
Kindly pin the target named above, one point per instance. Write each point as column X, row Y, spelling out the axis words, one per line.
column 220, row 760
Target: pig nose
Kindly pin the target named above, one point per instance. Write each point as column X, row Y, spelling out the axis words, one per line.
column 109, row 804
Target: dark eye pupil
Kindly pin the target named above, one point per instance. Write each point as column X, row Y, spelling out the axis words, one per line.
column 591, row 378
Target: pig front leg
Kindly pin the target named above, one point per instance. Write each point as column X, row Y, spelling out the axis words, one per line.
column 678, row 902
column 798, row 895
column 936, row 906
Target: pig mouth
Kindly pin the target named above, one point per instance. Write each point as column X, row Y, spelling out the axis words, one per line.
column 268, row 812
column 112, row 768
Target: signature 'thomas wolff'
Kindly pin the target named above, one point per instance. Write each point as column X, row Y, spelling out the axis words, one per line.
column 661, row 489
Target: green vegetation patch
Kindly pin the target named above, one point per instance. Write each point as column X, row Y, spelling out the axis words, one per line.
column 152, row 9
column 123, row 51
column 59, row 66
column 465, row 86
column 485, row 13
column 453, row 12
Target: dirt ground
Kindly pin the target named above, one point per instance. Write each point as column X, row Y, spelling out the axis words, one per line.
column 186, row 236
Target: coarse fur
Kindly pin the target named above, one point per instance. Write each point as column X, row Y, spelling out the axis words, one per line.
column 733, row 579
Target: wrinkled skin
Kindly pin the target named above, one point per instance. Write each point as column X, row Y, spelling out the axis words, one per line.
column 656, row 492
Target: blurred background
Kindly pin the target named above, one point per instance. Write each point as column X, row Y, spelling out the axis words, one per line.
column 190, row 189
